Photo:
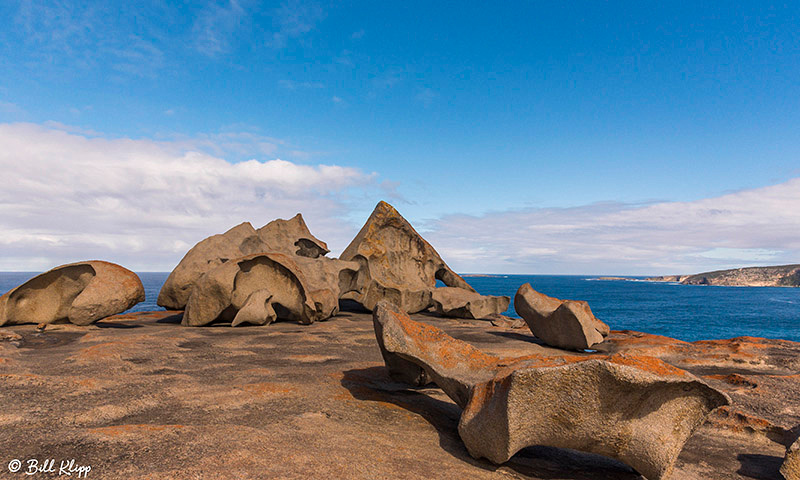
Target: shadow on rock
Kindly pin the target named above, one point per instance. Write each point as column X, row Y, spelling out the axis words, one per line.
column 171, row 319
column 374, row 384
column 764, row 467
column 105, row 324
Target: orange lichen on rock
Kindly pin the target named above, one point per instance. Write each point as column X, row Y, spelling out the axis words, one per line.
column 734, row 379
column 132, row 429
column 267, row 388
column 449, row 351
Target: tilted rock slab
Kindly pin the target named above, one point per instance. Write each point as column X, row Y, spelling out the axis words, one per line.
column 791, row 463
column 460, row 303
column 82, row 292
column 256, row 289
column 396, row 263
column 290, row 237
column 567, row 324
column 636, row 409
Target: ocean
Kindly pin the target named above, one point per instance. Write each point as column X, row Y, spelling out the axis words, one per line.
column 685, row 312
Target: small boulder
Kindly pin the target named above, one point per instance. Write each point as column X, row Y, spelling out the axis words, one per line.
column 82, row 293
column 791, row 463
column 396, row 263
column 460, row 303
column 567, row 324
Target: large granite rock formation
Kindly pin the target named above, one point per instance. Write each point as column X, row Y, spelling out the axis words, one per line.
column 82, row 292
column 567, row 324
column 256, row 289
column 638, row 410
column 290, row 237
column 396, row 263
column 791, row 463
column 460, row 303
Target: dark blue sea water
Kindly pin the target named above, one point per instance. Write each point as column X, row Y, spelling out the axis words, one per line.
column 687, row 312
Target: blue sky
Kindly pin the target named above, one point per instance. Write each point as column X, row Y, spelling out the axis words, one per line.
column 481, row 118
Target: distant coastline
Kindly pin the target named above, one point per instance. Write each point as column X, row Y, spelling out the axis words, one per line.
column 773, row 276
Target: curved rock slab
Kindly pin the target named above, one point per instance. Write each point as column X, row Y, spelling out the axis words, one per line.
column 290, row 237
column 460, row 303
column 791, row 463
column 567, row 324
column 82, row 293
column 636, row 409
column 257, row 289
column 396, row 263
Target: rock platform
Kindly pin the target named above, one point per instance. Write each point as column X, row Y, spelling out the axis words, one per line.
column 138, row 396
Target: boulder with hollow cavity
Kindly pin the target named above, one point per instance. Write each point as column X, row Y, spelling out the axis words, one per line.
column 256, row 289
column 396, row 263
column 81, row 293
column 567, row 324
column 460, row 303
column 636, row 409
column 290, row 237
column 791, row 463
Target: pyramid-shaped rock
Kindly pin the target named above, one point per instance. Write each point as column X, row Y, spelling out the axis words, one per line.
column 396, row 263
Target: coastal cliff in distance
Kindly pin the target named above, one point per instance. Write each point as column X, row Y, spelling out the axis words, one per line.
column 777, row 276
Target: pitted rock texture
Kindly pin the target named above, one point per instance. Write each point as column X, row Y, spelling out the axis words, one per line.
column 791, row 463
column 81, row 293
column 290, row 237
column 396, row 263
column 460, row 303
column 567, row 324
column 256, row 289
column 636, row 409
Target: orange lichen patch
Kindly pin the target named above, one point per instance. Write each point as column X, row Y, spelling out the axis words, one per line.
column 449, row 352
column 22, row 378
column 734, row 379
column 311, row 358
column 153, row 315
column 638, row 339
column 729, row 418
column 753, row 342
column 647, row 364
column 267, row 388
column 132, row 429
column 101, row 351
column 642, row 362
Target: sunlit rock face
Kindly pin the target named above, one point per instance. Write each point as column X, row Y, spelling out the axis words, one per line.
column 81, row 293
column 567, row 324
column 290, row 237
column 396, row 263
column 636, row 409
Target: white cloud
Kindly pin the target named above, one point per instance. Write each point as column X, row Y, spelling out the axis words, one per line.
column 748, row 227
column 215, row 25
column 65, row 196
column 294, row 19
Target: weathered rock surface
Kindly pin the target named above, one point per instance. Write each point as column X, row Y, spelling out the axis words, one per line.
column 396, row 263
column 225, row 403
column 460, row 303
column 82, row 293
column 791, row 463
column 567, row 324
column 638, row 410
column 290, row 237
column 256, row 289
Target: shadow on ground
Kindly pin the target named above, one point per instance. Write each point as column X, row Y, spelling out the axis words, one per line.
column 374, row 384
